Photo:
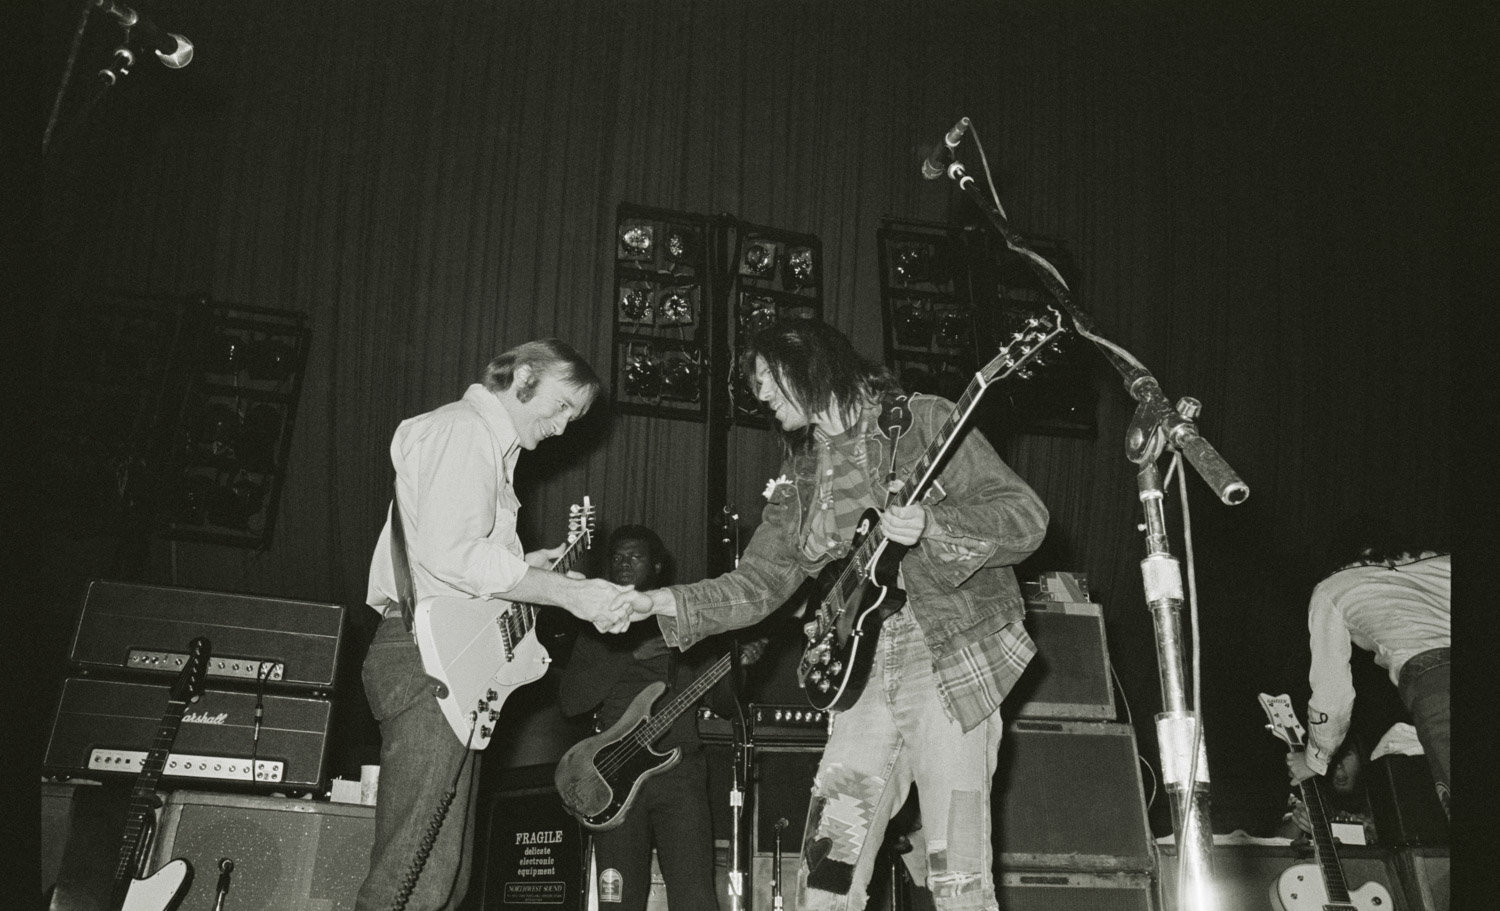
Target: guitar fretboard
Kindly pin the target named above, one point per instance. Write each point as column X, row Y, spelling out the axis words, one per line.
column 659, row 722
column 140, row 818
column 521, row 619
column 1323, row 844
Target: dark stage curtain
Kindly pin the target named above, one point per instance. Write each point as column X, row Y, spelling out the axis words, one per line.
column 1256, row 197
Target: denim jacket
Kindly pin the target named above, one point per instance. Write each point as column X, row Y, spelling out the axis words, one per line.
column 982, row 519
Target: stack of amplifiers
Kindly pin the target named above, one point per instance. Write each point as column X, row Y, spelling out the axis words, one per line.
column 1069, row 675
column 262, row 721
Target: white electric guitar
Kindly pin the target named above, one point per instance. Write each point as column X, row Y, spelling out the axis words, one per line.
column 1320, row 886
column 477, row 651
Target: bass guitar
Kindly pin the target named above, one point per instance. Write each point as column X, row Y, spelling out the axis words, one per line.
column 1320, row 886
column 861, row 587
column 477, row 651
column 164, row 889
column 600, row 776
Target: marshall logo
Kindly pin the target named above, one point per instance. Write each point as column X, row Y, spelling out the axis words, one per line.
column 205, row 718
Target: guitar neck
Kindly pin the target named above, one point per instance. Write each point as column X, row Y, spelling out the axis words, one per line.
column 684, row 700
column 140, row 818
column 1323, row 844
column 523, row 620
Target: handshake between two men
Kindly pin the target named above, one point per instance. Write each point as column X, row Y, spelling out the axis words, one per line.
column 609, row 607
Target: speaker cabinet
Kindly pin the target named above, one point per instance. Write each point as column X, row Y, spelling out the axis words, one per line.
column 1069, row 676
column 1404, row 802
column 1073, row 891
column 1424, row 876
column 291, row 855
column 1067, row 795
column 531, row 852
column 1247, row 874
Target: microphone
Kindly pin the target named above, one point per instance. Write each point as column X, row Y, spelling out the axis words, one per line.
column 173, row 50
column 933, row 167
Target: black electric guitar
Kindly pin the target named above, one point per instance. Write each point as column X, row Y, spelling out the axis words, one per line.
column 861, row 588
column 1320, row 886
column 600, row 776
column 165, row 888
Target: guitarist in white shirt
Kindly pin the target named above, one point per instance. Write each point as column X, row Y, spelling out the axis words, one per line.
column 1395, row 601
column 454, row 481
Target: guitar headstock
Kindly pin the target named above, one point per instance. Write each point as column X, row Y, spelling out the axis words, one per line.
column 1282, row 719
column 189, row 684
column 581, row 524
column 1024, row 346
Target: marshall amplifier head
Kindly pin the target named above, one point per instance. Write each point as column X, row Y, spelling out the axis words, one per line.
column 103, row 730
column 258, row 642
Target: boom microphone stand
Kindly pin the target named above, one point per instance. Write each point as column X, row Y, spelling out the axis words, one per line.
column 1155, row 426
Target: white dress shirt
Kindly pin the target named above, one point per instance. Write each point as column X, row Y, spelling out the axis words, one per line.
column 1395, row 612
column 454, row 474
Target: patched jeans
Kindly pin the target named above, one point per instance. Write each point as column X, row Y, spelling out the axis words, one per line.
column 419, row 754
column 898, row 734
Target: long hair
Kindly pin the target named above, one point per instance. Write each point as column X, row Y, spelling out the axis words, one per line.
column 1368, row 539
column 543, row 356
column 815, row 367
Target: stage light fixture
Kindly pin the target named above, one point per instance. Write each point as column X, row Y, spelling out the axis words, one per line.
column 225, row 353
column 952, row 329
column 799, row 267
column 642, row 375
column 680, row 378
column 912, row 263
column 679, row 245
column 635, row 305
column 269, row 359
column 761, row 314
column 759, row 258
column 913, row 325
column 218, row 429
column 636, row 240
column 674, row 307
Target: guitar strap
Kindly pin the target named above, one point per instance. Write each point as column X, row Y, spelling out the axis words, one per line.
column 895, row 419
column 406, row 590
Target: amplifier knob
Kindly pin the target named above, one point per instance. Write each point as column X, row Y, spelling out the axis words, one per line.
column 837, row 667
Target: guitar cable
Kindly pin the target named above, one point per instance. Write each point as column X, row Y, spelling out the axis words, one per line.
column 262, row 673
column 429, row 838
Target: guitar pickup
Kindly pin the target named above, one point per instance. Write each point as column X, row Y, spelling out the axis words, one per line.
column 236, row 668
column 183, row 765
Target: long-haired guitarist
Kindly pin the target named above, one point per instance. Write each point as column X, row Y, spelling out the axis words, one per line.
column 457, row 513
column 939, row 665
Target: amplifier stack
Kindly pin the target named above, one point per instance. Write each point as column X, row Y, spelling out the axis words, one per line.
column 262, row 721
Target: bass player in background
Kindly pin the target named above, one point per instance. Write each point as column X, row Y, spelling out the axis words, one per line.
column 929, row 714
column 1395, row 600
column 454, row 470
column 671, row 810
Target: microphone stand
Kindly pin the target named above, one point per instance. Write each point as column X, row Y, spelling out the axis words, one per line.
column 1156, row 425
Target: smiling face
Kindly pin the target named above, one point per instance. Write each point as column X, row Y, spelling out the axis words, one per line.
column 541, row 405
column 789, row 414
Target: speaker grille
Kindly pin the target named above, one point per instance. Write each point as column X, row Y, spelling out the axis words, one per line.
column 288, row 854
column 1067, row 795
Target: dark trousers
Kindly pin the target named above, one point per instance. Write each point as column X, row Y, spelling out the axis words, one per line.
column 672, row 812
column 1424, row 689
column 419, row 757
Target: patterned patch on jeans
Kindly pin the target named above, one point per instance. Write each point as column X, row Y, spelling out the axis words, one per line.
column 838, row 824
